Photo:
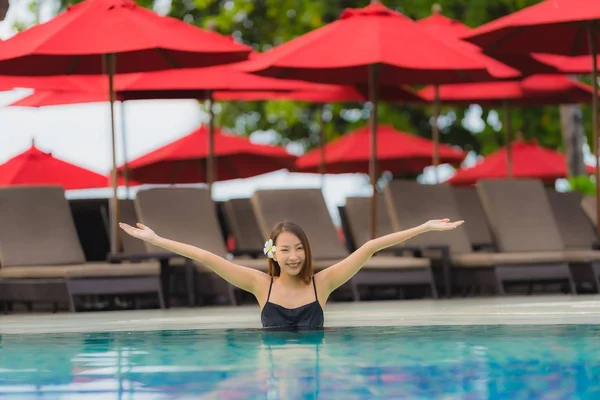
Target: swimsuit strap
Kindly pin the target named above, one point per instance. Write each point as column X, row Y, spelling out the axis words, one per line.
column 315, row 287
column 270, row 286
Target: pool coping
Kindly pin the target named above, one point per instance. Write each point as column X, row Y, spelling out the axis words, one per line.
column 530, row 310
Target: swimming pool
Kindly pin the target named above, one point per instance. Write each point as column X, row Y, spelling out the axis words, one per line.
column 447, row 362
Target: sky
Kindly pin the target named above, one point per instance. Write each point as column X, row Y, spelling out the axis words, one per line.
column 81, row 134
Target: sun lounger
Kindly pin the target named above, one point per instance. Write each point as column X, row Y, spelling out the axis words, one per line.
column 578, row 235
column 41, row 258
column 188, row 215
column 358, row 214
column 522, row 221
column 588, row 203
column 470, row 209
column 411, row 203
column 243, row 226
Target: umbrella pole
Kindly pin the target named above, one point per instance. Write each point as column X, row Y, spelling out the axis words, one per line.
column 373, row 97
column 124, row 144
column 435, row 133
column 114, row 201
column 508, row 140
column 211, row 167
column 594, row 51
column 322, row 167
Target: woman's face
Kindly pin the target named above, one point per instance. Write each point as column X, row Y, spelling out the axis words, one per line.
column 289, row 254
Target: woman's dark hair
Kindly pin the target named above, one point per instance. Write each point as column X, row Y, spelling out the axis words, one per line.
column 307, row 269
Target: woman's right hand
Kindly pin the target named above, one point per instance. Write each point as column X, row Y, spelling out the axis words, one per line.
column 141, row 232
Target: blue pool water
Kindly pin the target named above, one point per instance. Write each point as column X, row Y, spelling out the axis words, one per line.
column 477, row 362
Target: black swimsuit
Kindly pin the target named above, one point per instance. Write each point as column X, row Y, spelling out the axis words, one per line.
column 308, row 316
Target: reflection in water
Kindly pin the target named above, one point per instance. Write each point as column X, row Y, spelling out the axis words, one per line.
column 499, row 362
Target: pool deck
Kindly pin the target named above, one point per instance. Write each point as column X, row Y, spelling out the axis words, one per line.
column 557, row 309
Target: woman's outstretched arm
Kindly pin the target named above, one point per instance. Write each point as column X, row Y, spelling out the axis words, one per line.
column 244, row 278
column 338, row 274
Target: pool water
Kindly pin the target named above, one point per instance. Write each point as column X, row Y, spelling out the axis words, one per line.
column 442, row 362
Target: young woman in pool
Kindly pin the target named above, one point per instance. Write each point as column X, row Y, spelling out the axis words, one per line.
column 289, row 294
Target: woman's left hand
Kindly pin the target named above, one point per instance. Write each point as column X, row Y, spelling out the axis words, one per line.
column 442, row 224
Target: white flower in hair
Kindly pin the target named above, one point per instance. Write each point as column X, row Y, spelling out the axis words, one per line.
column 269, row 248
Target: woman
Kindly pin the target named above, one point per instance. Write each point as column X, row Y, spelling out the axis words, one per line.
column 289, row 295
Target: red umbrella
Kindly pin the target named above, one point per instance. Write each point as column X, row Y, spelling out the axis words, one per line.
column 529, row 161
column 44, row 98
column 343, row 51
column 564, row 27
column 75, row 41
column 397, row 152
column 437, row 24
column 10, row 82
column 196, row 83
column 566, row 64
column 322, row 93
column 182, row 161
column 372, row 46
column 442, row 26
column 535, row 90
column 34, row 167
column 532, row 91
column 224, row 81
column 334, row 93
column 202, row 82
column 551, row 26
column 565, row 23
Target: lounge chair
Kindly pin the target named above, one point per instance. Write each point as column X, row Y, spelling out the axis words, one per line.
column 129, row 245
column 41, row 258
column 358, row 216
column 578, row 235
column 522, row 222
column 588, row 203
column 243, row 226
column 307, row 207
column 470, row 209
column 411, row 203
column 346, row 231
column 188, row 215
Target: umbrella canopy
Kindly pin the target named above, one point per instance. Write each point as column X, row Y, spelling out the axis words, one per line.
column 35, row 167
column 529, row 161
column 75, row 41
column 566, row 64
column 44, row 98
column 184, row 161
column 325, row 94
column 552, row 26
column 200, row 82
column 10, row 82
column 397, row 152
column 322, row 93
column 532, row 91
column 438, row 24
column 342, row 52
column 442, row 26
column 195, row 83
